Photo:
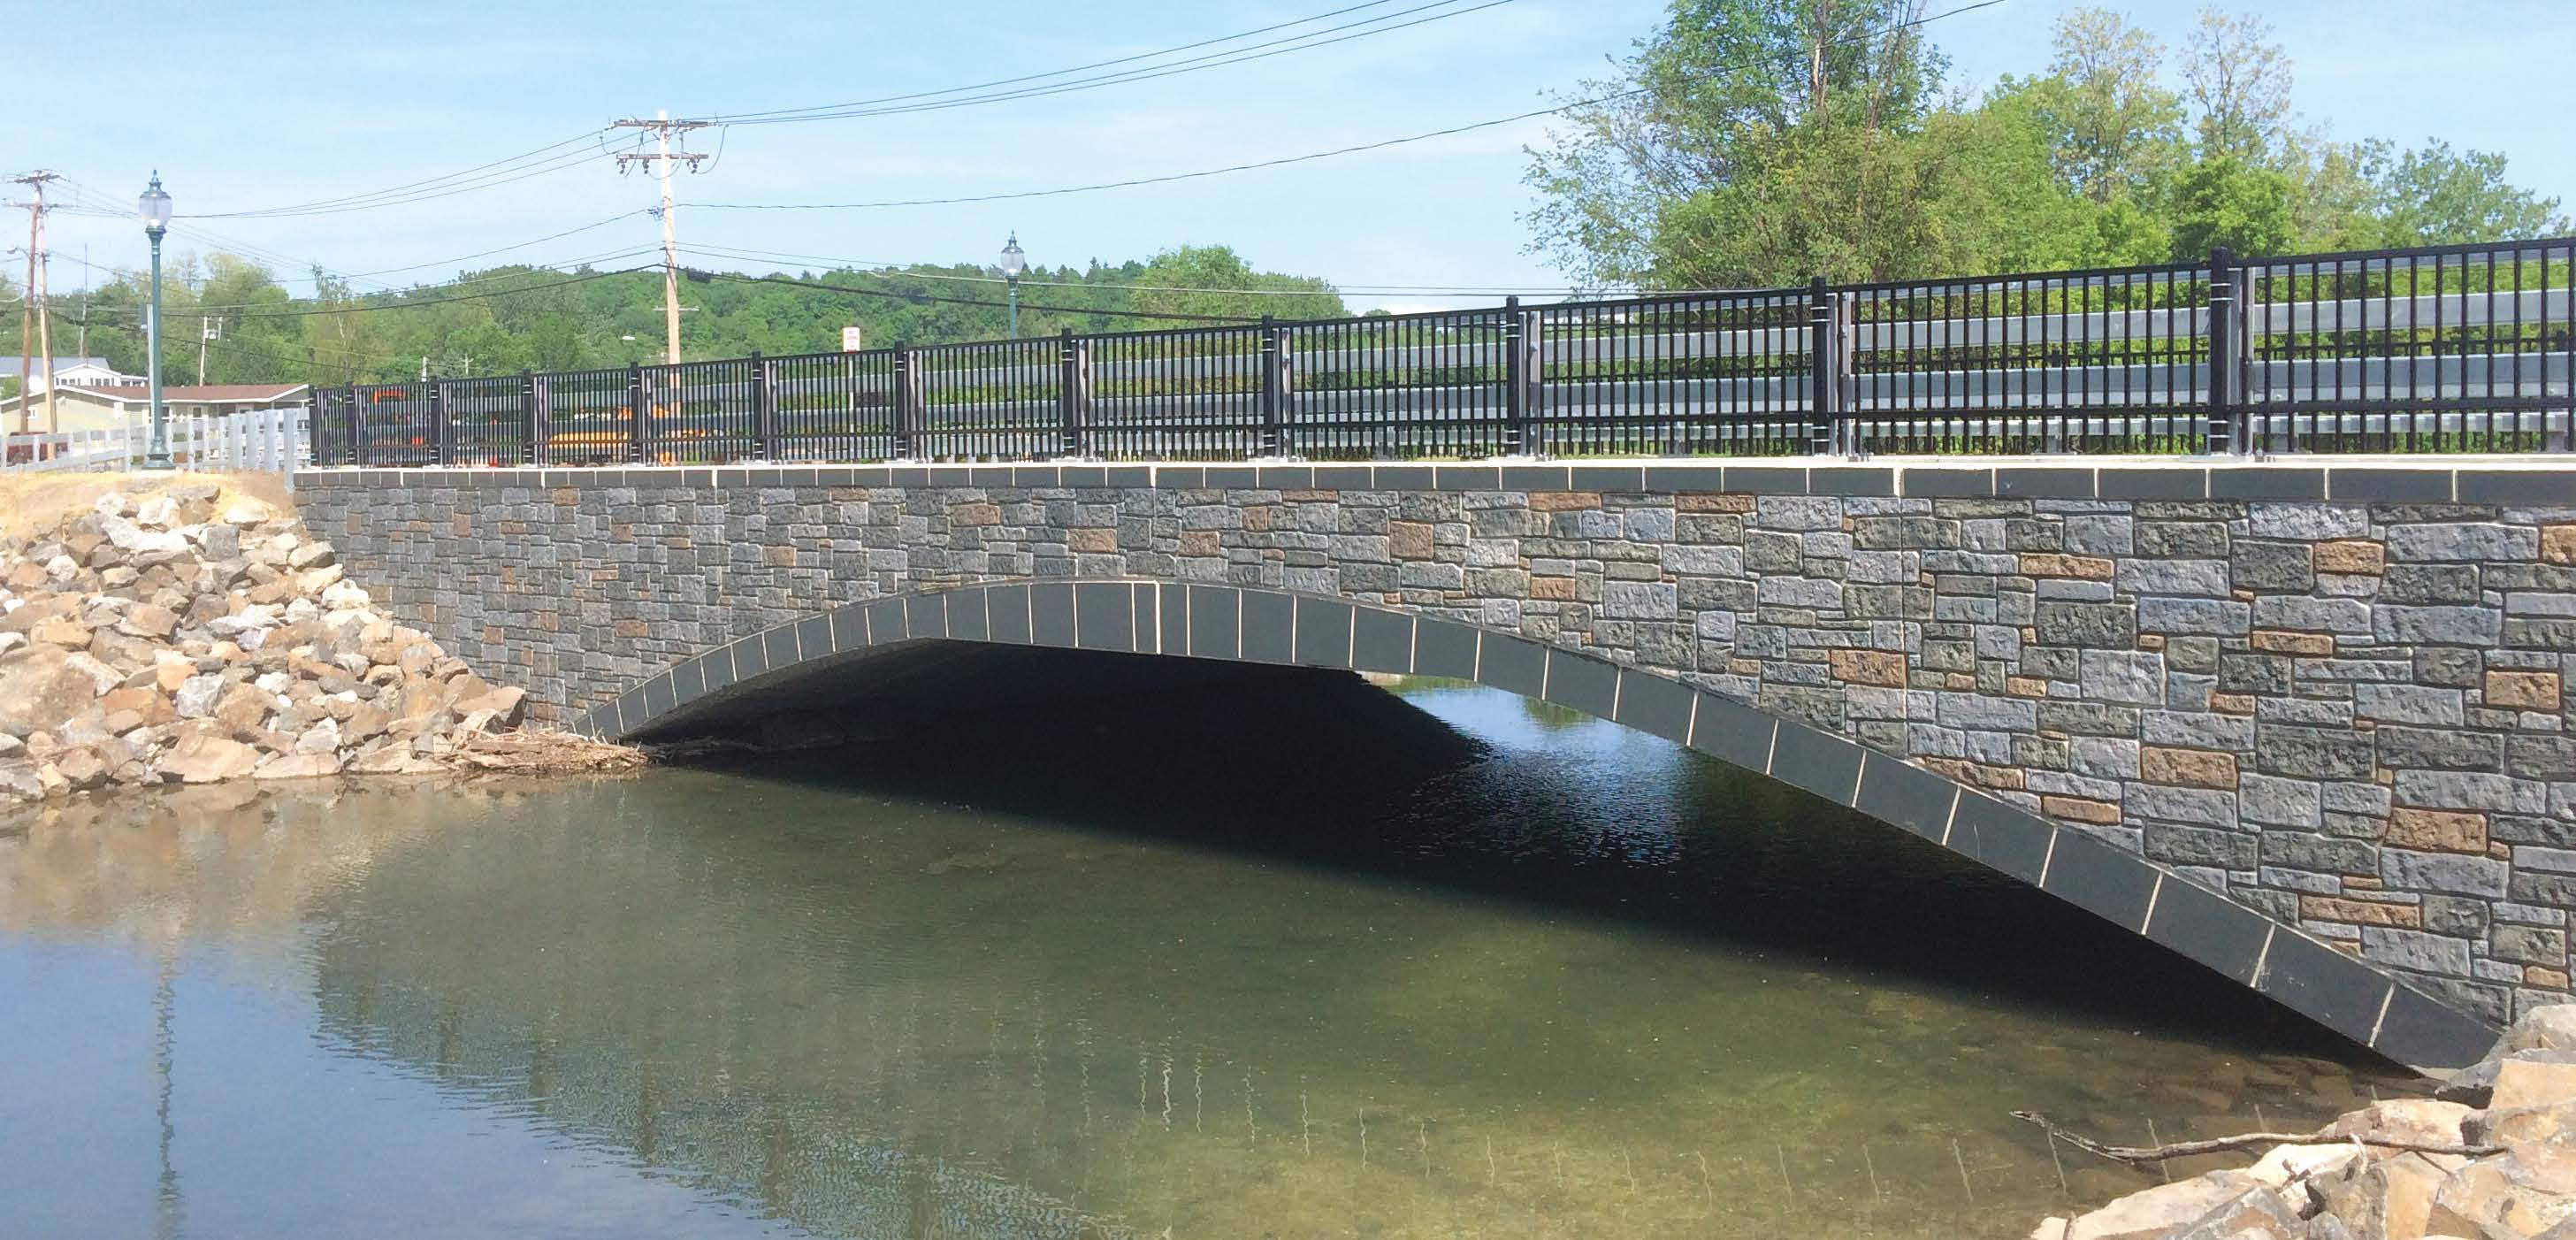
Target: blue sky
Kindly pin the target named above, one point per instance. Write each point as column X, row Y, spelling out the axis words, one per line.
column 253, row 107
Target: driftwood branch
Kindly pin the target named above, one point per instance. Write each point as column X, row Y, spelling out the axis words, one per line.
column 534, row 753
column 2139, row 1155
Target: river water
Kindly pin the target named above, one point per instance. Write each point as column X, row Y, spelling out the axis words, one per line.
column 1439, row 963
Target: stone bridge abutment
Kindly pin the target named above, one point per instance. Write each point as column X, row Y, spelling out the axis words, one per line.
column 2306, row 724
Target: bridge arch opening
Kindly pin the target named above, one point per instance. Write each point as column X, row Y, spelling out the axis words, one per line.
column 1206, row 628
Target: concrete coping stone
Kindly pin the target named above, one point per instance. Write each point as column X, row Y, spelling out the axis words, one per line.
column 2464, row 480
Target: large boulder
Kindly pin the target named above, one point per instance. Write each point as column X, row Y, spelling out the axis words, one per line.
column 202, row 757
column 298, row 766
column 42, row 688
column 2481, row 1199
column 2390, row 1197
column 2151, row 1214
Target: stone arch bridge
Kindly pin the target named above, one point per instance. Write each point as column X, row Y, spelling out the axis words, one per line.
column 2305, row 724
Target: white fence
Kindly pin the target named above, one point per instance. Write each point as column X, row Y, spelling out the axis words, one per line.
column 272, row 441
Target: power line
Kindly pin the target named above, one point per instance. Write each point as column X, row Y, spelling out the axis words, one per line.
column 583, row 278
column 910, row 270
column 1283, row 160
column 816, row 286
column 345, row 202
column 1297, row 43
column 744, row 117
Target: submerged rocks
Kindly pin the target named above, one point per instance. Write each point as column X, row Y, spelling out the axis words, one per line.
column 2494, row 1158
column 149, row 640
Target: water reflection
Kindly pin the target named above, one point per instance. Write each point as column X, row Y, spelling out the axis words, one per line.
column 1295, row 964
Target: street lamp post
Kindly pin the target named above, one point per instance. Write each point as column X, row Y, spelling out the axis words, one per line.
column 154, row 207
column 1013, row 263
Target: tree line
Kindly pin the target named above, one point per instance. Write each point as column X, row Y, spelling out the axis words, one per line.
column 1755, row 143
column 506, row 319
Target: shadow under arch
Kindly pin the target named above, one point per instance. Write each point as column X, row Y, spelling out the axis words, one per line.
column 1250, row 624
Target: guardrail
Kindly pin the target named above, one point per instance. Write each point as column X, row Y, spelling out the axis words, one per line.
column 250, row 440
column 2440, row 349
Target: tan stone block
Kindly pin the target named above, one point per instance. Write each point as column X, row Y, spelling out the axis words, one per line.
column 63, row 631
column 1094, row 540
column 2525, row 690
column 2437, row 830
column 2196, row 768
column 1552, row 589
column 2079, row 809
column 1869, row 667
column 1200, row 542
column 975, row 514
column 2278, row 641
column 1561, row 501
column 2084, row 567
column 2539, row 975
column 1960, row 682
column 1698, row 502
column 1259, row 518
column 2232, row 703
column 1410, row 540
column 2359, row 912
column 2026, row 686
column 778, row 556
column 2151, row 641
column 2532, row 1083
column 2558, row 544
column 2005, row 777
column 2350, row 555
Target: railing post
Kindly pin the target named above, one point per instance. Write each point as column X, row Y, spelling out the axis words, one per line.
column 764, row 405
column 639, row 413
column 1074, row 392
column 1824, row 425
column 907, row 400
column 1522, row 371
column 1273, row 441
column 2222, row 433
column 438, row 452
column 356, row 418
column 533, row 420
column 1516, row 436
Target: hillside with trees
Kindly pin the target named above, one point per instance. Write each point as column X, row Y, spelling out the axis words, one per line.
column 506, row 319
column 1753, row 143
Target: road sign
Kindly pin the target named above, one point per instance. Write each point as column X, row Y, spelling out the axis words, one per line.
column 850, row 341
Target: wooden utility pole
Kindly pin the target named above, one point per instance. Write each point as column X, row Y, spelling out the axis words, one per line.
column 34, row 307
column 662, row 127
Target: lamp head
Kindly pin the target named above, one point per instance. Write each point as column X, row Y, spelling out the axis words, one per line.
column 154, row 207
column 1013, row 260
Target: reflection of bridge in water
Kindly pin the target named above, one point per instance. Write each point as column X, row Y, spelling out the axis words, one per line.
column 891, row 1041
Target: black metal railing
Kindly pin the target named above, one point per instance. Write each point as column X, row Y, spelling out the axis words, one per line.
column 2439, row 349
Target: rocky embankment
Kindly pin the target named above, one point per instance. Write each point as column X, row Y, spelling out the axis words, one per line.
column 2491, row 1157
column 190, row 636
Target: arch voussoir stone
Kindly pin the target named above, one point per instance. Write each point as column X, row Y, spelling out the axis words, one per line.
column 1224, row 622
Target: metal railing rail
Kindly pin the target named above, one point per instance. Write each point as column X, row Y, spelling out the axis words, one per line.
column 2437, row 349
column 249, row 440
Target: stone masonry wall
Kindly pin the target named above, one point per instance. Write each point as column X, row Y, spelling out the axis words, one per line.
column 2349, row 716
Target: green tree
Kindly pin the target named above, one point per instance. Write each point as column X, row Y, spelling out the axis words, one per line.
column 2231, row 201
column 1787, row 119
column 2114, row 130
column 2434, row 196
column 2240, row 86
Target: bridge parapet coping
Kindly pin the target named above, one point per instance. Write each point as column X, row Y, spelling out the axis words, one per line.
column 2477, row 480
